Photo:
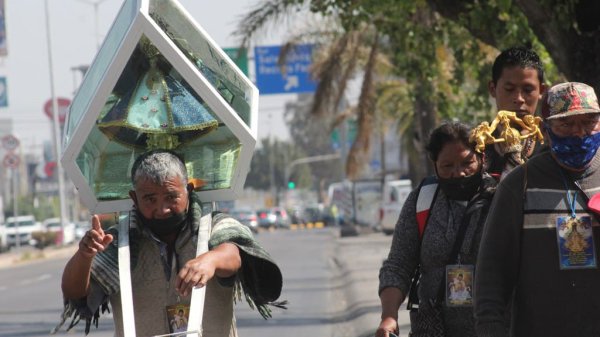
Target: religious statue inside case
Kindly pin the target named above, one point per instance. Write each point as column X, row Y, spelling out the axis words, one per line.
column 167, row 86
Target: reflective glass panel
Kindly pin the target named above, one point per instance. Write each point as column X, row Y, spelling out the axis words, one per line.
column 151, row 107
column 171, row 18
column 95, row 73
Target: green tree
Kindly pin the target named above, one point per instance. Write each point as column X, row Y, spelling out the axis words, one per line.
column 439, row 50
column 334, row 68
column 379, row 47
column 569, row 30
column 280, row 153
column 45, row 207
column 312, row 134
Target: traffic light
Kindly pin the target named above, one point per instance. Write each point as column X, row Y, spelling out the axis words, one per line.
column 291, row 185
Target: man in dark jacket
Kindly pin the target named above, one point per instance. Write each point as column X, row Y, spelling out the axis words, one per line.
column 539, row 246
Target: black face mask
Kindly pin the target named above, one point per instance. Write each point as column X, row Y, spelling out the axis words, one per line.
column 163, row 227
column 461, row 188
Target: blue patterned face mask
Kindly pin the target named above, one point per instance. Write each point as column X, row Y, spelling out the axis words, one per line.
column 575, row 152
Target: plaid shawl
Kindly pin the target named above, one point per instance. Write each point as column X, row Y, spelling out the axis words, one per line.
column 259, row 277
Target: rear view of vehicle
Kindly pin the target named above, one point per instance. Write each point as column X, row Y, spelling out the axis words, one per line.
column 266, row 219
column 282, row 220
column 275, row 217
column 395, row 193
column 245, row 216
column 64, row 234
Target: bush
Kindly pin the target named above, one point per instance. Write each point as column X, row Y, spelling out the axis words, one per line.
column 44, row 239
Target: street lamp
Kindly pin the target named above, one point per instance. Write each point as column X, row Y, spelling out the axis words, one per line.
column 306, row 160
column 96, row 4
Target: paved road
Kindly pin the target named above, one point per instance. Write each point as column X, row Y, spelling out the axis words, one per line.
column 330, row 282
column 30, row 299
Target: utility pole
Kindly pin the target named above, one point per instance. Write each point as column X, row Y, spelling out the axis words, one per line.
column 15, row 207
column 56, row 128
column 274, row 195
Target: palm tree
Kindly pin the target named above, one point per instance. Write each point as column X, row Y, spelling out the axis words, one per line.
column 442, row 69
column 341, row 57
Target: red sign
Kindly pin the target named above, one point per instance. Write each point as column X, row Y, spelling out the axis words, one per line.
column 63, row 108
column 49, row 168
column 10, row 142
column 11, row 160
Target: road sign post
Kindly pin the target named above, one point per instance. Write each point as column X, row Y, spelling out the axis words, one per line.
column 239, row 57
column 10, row 142
column 63, row 107
column 11, row 160
column 295, row 79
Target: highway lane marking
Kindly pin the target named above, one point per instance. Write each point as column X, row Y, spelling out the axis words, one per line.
column 37, row 279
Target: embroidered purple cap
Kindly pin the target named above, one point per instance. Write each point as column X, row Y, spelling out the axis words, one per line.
column 568, row 99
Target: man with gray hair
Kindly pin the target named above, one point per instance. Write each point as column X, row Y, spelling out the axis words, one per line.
column 164, row 266
column 539, row 251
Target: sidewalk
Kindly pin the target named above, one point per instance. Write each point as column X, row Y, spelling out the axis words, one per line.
column 29, row 255
column 359, row 259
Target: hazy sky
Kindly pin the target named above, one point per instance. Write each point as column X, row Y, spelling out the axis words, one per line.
column 73, row 39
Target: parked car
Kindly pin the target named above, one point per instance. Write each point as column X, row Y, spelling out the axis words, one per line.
column 318, row 213
column 275, row 217
column 65, row 234
column 80, row 228
column 25, row 225
column 246, row 216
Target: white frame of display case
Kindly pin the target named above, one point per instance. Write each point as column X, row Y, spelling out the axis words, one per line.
column 143, row 24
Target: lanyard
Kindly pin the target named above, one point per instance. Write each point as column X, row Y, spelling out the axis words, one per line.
column 198, row 294
column 570, row 202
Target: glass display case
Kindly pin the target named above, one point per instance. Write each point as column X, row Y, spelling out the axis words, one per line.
column 159, row 81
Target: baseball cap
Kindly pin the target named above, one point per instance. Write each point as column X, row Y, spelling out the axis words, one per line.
column 568, row 99
column 594, row 203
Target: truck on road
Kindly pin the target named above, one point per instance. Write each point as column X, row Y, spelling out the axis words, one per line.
column 395, row 193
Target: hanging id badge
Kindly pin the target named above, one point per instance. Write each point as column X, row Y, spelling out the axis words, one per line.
column 459, row 285
column 575, row 242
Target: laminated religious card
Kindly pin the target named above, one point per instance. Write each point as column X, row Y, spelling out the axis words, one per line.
column 177, row 315
column 575, row 242
column 459, row 285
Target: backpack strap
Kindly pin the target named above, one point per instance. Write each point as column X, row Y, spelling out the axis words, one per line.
column 426, row 195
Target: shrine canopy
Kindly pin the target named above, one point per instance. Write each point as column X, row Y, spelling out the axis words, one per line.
column 159, row 81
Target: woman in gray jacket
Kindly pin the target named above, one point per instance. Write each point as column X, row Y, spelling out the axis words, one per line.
column 438, row 232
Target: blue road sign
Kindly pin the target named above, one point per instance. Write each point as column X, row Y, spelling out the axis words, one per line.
column 296, row 78
column 3, row 93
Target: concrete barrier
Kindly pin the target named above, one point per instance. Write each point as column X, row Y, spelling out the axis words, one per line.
column 308, row 225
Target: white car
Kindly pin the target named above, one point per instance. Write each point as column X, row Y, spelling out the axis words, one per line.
column 80, row 228
column 24, row 225
column 67, row 233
